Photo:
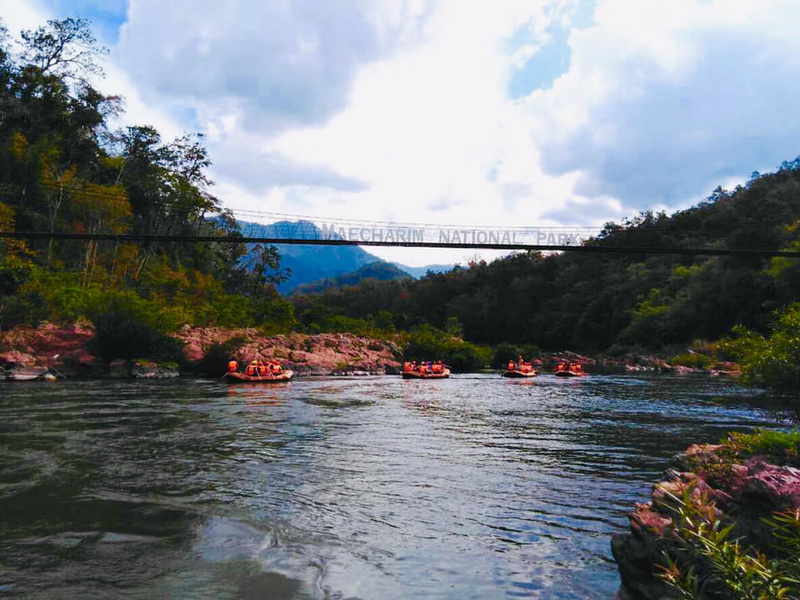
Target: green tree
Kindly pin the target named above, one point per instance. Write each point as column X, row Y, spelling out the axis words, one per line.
column 771, row 360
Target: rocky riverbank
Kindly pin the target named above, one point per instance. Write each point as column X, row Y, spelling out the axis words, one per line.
column 712, row 484
column 65, row 349
column 643, row 363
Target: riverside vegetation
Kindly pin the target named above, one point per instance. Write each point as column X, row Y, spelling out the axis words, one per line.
column 63, row 169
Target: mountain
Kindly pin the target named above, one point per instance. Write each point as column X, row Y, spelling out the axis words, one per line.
column 323, row 265
column 380, row 270
column 308, row 263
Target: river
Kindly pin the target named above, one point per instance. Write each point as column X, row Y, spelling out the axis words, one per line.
column 368, row 488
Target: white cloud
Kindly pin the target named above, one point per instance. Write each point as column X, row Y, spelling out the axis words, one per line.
column 17, row 15
column 665, row 100
column 275, row 65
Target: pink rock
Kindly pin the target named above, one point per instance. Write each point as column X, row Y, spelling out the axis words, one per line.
column 704, row 449
column 644, row 517
column 771, row 485
column 18, row 359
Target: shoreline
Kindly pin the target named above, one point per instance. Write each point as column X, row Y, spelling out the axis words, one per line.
column 64, row 349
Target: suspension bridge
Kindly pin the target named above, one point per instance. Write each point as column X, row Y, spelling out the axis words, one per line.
column 279, row 228
column 294, row 229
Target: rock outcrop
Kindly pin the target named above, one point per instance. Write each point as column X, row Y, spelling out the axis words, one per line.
column 65, row 349
column 48, row 346
column 742, row 494
column 320, row 354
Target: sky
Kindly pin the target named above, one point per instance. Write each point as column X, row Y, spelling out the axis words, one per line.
column 538, row 113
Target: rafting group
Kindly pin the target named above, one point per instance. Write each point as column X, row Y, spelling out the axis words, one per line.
column 425, row 370
column 271, row 370
column 258, row 370
column 566, row 368
column 520, row 368
column 523, row 368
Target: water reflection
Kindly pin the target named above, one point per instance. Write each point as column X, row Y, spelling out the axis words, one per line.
column 259, row 395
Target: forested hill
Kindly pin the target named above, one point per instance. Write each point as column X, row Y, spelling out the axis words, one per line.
column 63, row 170
column 605, row 301
column 378, row 270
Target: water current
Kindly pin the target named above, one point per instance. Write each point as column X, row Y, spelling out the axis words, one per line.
column 360, row 488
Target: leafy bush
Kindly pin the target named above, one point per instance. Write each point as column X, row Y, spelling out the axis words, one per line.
column 779, row 447
column 772, row 361
column 215, row 360
column 274, row 315
column 27, row 306
column 429, row 343
column 505, row 352
column 712, row 564
column 128, row 327
column 692, row 359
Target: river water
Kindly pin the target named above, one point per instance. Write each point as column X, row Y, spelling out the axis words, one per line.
column 366, row 488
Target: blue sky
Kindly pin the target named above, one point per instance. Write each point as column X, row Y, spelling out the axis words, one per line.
column 511, row 112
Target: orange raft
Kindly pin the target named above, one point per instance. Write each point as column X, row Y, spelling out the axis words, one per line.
column 425, row 370
column 520, row 369
column 258, row 371
column 237, row 377
column 518, row 373
column 569, row 370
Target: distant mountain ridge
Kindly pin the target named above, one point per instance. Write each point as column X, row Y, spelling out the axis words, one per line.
column 380, row 270
column 325, row 264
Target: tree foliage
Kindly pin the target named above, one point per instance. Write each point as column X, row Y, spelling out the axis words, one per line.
column 62, row 170
column 771, row 360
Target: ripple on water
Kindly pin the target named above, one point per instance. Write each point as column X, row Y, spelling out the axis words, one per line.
column 472, row 487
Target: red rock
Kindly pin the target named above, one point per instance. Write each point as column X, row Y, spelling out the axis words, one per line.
column 645, row 517
column 770, row 486
column 319, row 354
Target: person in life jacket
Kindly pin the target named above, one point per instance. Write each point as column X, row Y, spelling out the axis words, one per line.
column 275, row 367
column 407, row 366
column 252, row 368
column 233, row 366
column 511, row 365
